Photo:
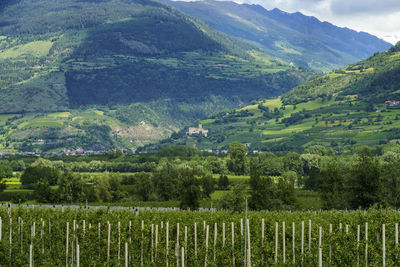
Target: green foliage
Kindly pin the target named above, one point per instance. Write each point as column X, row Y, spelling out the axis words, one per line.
column 237, row 158
column 223, row 182
column 31, row 175
column 365, row 183
column 190, row 192
column 144, row 185
column 208, row 185
column 43, row 192
column 5, row 171
column 235, row 200
column 70, row 188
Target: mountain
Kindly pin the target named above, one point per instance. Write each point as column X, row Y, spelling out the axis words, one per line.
column 293, row 37
column 120, row 72
column 356, row 105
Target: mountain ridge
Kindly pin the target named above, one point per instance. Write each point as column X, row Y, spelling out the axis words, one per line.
column 287, row 35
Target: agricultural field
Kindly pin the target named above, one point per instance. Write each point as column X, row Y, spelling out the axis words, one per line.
column 270, row 125
column 54, row 237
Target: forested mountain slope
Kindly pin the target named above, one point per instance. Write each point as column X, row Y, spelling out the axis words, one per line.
column 136, row 62
column 356, row 105
column 293, row 37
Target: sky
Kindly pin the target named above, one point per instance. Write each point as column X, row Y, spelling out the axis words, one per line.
column 377, row 17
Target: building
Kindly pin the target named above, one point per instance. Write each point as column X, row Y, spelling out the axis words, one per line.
column 392, row 103
column 199, row 130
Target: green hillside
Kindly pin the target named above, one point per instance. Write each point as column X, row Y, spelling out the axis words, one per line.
column 341, row 110
column 139, row 61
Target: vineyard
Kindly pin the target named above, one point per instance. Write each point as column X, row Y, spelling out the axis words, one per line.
column 81, row 237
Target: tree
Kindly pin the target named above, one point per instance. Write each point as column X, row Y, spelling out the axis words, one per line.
column 332, row 185
column 43, row 192
column 189, row 190
column 263, row 193
column 391, row 180
column 70, row 188
column 235, row 200
column 165, row 181
column 31, row 175
column 144, row 185
column 237, row 158
column 365, row 184
column 5, row 171
column 223, row 182
column 286, row 193
column 208, row 185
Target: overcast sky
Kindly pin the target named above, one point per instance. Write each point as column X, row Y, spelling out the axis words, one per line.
column 378, row 17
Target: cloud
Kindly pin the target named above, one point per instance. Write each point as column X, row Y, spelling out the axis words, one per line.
column 373, row 7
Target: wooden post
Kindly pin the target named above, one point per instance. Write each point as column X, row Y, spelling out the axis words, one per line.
column 119, row 241
column 215, row 241
column 152, row 242
column 283, row 242
column 77, row 255
column 130, row 231
column 22, row 236
column 205, row 258
column 142, row 245
column 66, row 245
column 319, row 257
column 383, row 245
column 233, row 243
column 366, row 244
column 195, row 240
column 223, row 234
column 98, row 233
column 31, row 255
column 241, row 227
column 156, row 244
column 320, row 237
column 33, row 234
column 167, row 242
column 177, row 245
column 358, row 245
column 183, row 257
column 293, row 242
column 262, row 239
column 248, row 245
column 330, row 245
column 126, row 254
column 302, row 239
column 276, row 243
column 396, row 236
column 41, row 236
column 10, row 236
column 49, row 234
column 1, row 228
column 108, row 243
column 309, row 236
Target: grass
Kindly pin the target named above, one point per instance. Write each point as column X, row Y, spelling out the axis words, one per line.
column 36, row 49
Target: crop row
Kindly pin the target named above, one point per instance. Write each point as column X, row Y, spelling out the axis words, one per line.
column 56, row 237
